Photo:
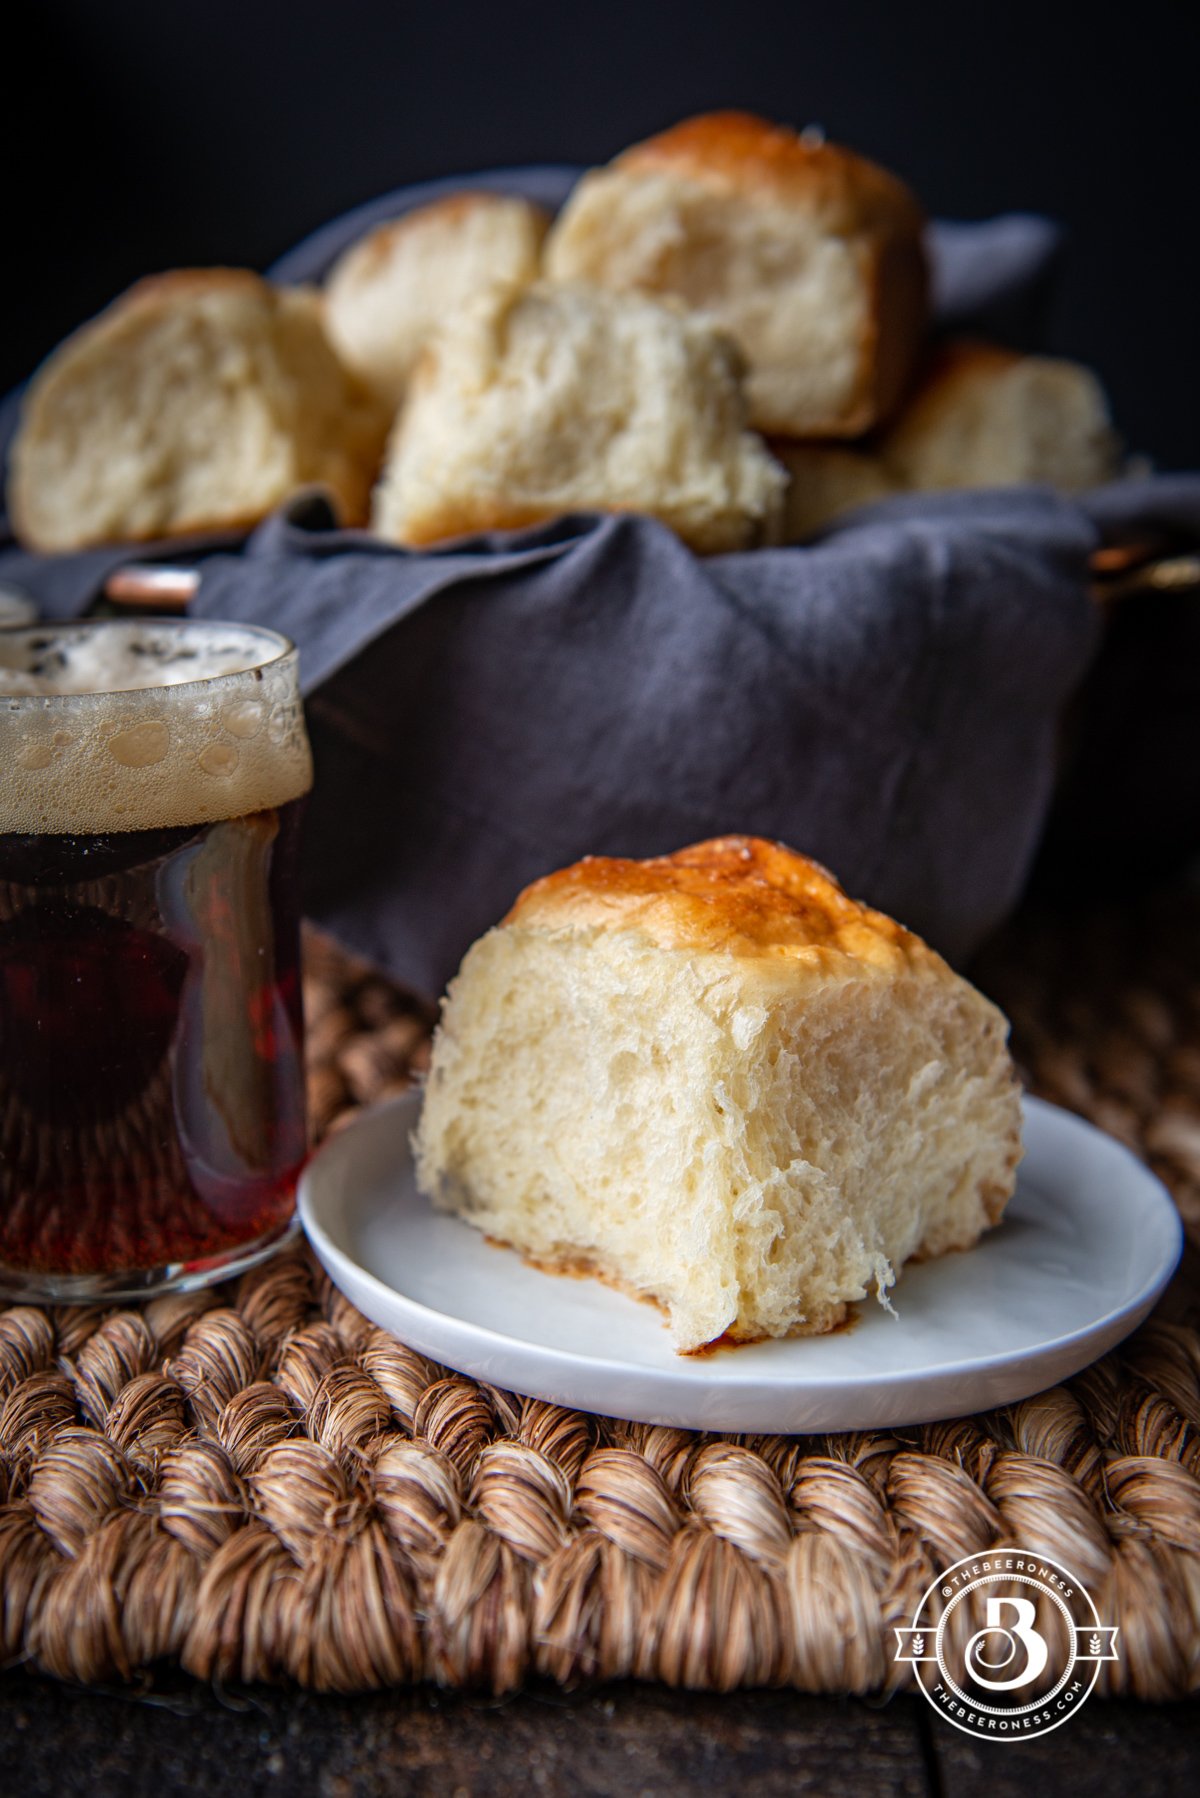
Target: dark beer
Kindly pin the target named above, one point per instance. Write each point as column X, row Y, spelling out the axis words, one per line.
column 151, row 1057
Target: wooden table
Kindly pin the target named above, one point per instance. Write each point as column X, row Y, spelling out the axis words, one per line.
column 627, row 1740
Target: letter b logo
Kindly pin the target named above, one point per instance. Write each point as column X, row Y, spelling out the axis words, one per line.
column 1033, row 1658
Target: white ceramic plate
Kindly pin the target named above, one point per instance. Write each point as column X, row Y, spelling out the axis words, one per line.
column 1088, row 1242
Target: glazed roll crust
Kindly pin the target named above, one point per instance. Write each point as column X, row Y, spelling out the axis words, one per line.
column 718, row 1081
column 810, row 256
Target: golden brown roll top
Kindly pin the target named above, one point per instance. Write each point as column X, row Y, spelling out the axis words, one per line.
column 810, row 256
column 752, row 159
column 739, row 896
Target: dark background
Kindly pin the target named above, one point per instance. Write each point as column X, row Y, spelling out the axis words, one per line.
column 150, row 133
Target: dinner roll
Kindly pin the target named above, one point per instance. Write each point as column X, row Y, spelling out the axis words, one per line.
column 197, row 402
column 390, row 289
column 825, row 480
column 559, row 398
column 988, row 417
column 717, row 1081
column 810, row 256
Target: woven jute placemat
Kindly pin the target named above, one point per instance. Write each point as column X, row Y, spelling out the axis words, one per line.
column 257, row 1484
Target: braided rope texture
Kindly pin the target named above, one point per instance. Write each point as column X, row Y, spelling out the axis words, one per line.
column 257, row 1484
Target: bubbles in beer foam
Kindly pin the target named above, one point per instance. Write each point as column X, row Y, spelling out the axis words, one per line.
column 243, row 718
column 220, row 759
column 47, row 751
column 141, row 745
column 146, row 724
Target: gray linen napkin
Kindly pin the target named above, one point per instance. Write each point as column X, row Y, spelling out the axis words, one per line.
column 885, row 701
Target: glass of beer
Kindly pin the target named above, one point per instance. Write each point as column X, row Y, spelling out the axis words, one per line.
column 152, row 1121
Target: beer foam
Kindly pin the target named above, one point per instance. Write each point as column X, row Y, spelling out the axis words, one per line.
column 145, row 725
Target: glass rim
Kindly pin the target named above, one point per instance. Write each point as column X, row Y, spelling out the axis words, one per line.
column 225, row 741
column 283, row 649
